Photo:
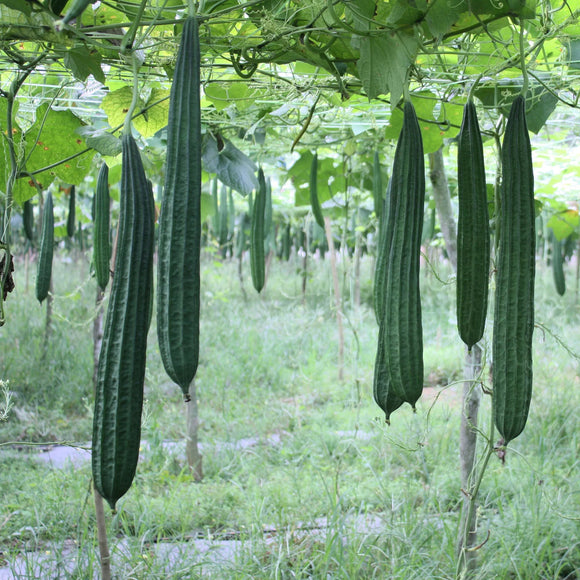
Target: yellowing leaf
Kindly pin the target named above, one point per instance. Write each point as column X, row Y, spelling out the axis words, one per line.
column 564, row 223
column 153, row 118
column 53, row 140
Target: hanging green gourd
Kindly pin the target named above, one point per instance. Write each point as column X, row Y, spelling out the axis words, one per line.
column 178, row 303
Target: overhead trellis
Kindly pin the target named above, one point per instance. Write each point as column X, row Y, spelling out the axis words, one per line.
column 283, row 75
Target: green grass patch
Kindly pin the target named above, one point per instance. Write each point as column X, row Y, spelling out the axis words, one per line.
column 287, row 446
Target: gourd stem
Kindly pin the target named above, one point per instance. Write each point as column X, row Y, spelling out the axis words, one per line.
column 133, row 105
column 129, row 38
column 472, row 88
column 473, row 493
column 406, row 91
column 523, row 60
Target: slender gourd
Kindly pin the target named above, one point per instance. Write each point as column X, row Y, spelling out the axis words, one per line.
column 70, row 219
column 558, row 266
column 44, row 268
column 268, row 218
column 178, row 300
column 223, row 219
column 514, row 294
column 403, row 334
column 473, row 244
column 101, row 236
column 314, row 201
column 257, row 256
column 28, row 220
column 121, row 367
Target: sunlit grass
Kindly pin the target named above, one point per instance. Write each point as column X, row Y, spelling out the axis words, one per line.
column 381, row 501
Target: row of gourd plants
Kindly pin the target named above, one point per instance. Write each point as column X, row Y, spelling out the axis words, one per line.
column 398, row 374
column 399, row 361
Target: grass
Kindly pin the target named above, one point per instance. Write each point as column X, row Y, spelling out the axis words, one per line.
column 380, row 501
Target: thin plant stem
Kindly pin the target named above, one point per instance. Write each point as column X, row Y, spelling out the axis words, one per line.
column 462, row 568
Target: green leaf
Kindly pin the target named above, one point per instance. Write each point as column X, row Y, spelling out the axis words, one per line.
column 117, row 103
column 540, row 103
column 523, row 8
column 83, row 62
column 155, row 118
column 19, row 5
column 101, row 141
column 442, row 15
column 564, row 223
column 404, row 13
column 51, row 139
column 223, row 96
column 360, row 12
column 574, row 54
column 232, row 167
column 329, row 179
column 383, row 63
column 436, row 123
column 540, row 111
column 4, row 150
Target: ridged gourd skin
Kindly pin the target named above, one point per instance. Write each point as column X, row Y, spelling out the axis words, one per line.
column 257, row 254
column 403, row 329
column 313, row 187
column 558, row 266
column 514, row 295
column 381, row 261
column 473, row 237
column 383, row 394
column 121, row 367
column 102, row 225
column 178, row 283
column 28, row 220
column 45, row 255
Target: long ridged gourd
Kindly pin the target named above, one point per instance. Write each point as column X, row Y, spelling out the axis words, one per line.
column 257, row 255
column 102, row 225
column 45, row 255
column 403, row 334
column 383, row 394
column 473, row 243
column 121, row 367
column 514, row 295
column 381, row 262
column 178, row 300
